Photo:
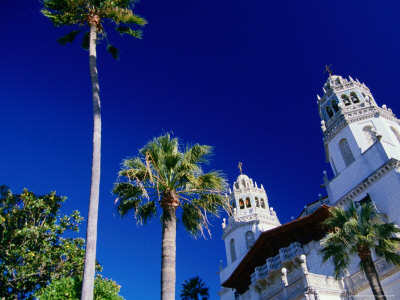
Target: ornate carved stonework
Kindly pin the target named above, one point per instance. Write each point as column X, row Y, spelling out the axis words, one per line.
column 350, row 115
column 337, row 84
column 253, row 219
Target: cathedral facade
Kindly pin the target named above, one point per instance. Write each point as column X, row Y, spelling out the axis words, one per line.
column 267, row 260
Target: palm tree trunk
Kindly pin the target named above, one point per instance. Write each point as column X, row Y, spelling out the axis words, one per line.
column 372, row 275
column 168, row 253
column 91, row 233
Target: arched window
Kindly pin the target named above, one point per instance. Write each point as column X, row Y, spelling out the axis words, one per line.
column 354, row 97
column 249, row 239
column 346, row 100
column 335, row 105
column 369, row 135
column 241, row 203
column 345, row 150
column 248, row 203
column 395, row 133
column 262, row 203
column 233, row 250
column 257, row 202
column 329, row 111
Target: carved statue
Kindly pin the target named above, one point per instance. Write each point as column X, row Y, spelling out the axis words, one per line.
column 284, row 276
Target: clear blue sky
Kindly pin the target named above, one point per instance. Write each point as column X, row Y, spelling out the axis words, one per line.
column 239, row 75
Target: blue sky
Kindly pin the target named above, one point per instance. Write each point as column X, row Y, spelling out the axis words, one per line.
column 239, row 75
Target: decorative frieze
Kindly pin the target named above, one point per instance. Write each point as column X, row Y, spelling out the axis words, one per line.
column 254, row 219
column 350, row 115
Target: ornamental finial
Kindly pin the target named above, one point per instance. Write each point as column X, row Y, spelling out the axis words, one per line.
column 240, row 167
column 328, row 70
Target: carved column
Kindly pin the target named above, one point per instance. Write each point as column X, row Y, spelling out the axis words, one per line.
column 306, row 281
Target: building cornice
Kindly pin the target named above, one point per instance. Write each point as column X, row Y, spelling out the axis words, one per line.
column 370, row 180
column 241, row 191
column 236, row 222
column 350, row 115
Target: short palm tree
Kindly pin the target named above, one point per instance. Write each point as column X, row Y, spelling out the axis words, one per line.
column 359, row 230
column 170, row 178
column 192, row 289
column 90, row 18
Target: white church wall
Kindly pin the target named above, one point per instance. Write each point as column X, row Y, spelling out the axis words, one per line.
column 334, row 150
column 239, row 236
column 381, row 127
column 314, row 260
column 227, row 271
column 365, row 165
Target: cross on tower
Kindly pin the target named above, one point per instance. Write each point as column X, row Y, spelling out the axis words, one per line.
column 240, row 167
column 328, row 70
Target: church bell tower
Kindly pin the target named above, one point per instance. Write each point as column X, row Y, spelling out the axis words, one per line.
column 361, row 139
column 251, row 215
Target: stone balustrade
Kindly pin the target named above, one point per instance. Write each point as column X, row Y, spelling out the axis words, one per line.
column 298, row 286
column 275, row 263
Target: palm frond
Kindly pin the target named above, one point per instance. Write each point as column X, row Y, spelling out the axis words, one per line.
column 85, row 40
column 145, row 212
column 129, row 197
column 64, row 12
column 197, row 154
column 355, row 229
column 123, row 15
column 192, row 220
column 127, row 30
column 69, row 37
column 113, row 51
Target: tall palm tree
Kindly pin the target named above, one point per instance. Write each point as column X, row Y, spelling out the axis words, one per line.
column 165, row 176
column 359, row 230
column 192, row 289
column 90, row 17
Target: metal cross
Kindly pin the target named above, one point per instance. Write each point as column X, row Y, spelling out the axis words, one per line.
column 327, row 69
column 240, row 167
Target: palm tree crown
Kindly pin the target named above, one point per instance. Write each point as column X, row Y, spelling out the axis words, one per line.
column 192, row 289
column 359, row 230
column 84, row 13
column 165, row 176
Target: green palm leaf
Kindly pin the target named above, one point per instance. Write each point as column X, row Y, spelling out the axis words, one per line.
column 359, row 230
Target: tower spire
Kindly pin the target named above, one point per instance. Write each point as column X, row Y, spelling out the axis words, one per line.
column 240, row 167
column 328, row 70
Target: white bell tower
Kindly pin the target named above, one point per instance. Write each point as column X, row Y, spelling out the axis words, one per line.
column 251, row 215
column 362, row 145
